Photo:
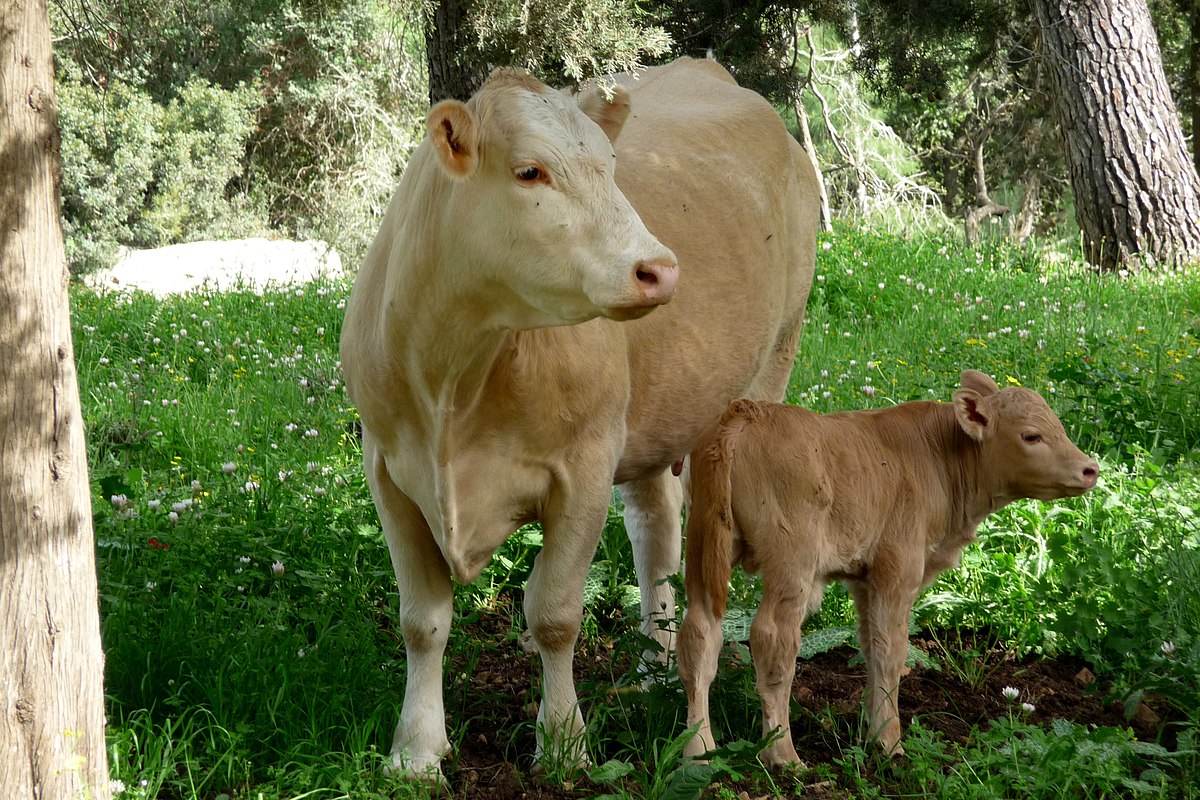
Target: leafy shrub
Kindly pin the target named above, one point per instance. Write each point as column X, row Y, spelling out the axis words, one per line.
column 109, row 141
column 141, row 173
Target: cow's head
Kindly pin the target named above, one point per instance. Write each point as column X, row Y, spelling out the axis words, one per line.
column 1025, row 448
column 535, row 208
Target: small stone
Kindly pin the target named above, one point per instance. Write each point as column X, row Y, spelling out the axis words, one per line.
column 1085, row 677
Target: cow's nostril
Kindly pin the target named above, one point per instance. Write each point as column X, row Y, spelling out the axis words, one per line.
column 656, row 279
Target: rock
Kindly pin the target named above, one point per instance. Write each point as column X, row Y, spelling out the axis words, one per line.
column 254, row 264
column 1085, row 677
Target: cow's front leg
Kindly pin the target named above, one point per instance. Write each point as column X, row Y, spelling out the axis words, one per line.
column 652, row 522
column 888, row 609
column 426, row 609
column 553, row 612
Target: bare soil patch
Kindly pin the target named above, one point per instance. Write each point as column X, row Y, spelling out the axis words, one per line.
column 491, row 687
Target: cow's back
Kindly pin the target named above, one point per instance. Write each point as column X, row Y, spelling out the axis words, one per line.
column 716, row 177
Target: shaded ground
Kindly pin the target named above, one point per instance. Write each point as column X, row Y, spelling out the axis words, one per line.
column 491, row 687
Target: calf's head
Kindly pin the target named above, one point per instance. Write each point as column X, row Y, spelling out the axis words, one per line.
column 1025, row 451
column 538, row 221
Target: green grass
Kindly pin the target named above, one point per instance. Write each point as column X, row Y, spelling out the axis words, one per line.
column 248, row 603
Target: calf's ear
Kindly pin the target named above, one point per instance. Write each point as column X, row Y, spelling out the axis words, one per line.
column 454, row 132
column 973, row 418
column 979, row 381
column 608, row 108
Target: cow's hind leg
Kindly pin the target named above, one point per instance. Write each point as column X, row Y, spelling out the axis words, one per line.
column 774, row 644
column 426, row 608
column 652, row 522
column 699, row 650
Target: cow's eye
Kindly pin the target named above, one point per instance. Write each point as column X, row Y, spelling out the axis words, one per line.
column 530, row 174
column 1031, row 437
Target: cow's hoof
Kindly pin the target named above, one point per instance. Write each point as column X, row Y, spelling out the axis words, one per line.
column 418, row 771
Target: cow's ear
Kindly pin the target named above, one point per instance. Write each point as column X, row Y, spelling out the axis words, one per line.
column 979, row 382
column 454, row 132
column 607, row 108
column 973, row 418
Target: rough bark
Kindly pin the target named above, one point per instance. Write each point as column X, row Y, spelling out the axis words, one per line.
column 1194, row 27
column 1137, row 194
column 51, row 665
column 451, row 50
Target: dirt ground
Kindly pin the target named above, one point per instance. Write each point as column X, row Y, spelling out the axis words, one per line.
column 494, row 757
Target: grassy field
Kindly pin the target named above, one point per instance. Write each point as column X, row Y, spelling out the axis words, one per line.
column 248, row 603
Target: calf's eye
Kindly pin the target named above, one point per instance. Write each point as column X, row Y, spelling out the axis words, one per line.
column 1031, row 438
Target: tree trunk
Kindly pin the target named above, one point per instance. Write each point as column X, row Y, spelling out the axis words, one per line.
column 985, row 206
column 51, row 665
column 451, row 52
column 1137, row 194
column 1031, row 204
column 1194, row 34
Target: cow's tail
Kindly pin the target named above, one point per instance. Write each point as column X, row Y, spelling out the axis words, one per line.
column 710, row 518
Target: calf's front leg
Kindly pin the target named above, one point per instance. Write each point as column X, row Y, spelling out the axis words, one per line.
column 883, row 613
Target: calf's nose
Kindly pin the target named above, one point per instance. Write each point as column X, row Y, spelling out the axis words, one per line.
column 656, row 279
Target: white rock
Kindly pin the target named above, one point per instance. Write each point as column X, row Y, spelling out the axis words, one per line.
column 254, row 264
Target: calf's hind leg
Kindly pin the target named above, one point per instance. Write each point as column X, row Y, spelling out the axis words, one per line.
column 774, row 644
column 698, row 653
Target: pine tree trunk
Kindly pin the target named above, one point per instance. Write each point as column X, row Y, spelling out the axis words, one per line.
column 451, row 47
column 51, row 665
column 1195, row 63
column 1137, row 194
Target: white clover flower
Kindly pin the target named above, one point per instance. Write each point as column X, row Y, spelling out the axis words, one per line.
column 250, row 486
column 277, row 567
column 319, row 491
column 154, row 504
column 173, row 517
column 179, row 508
column 229, row 467
column 116, row 786
column 244, row 559
column 312, row 433
column 1028, row 708
column 1010, row 693
column 119, row 501
column 1168, row 648
column 868, row 390
column 150, row 586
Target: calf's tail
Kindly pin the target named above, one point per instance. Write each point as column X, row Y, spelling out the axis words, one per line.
column 710, row 518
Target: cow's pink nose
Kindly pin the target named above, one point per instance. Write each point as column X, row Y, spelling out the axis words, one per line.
column 656, row 279
column 1091, row 471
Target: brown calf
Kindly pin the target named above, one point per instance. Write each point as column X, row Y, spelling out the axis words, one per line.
column 884, row 500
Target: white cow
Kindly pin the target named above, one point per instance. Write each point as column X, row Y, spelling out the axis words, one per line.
column 500, row 348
